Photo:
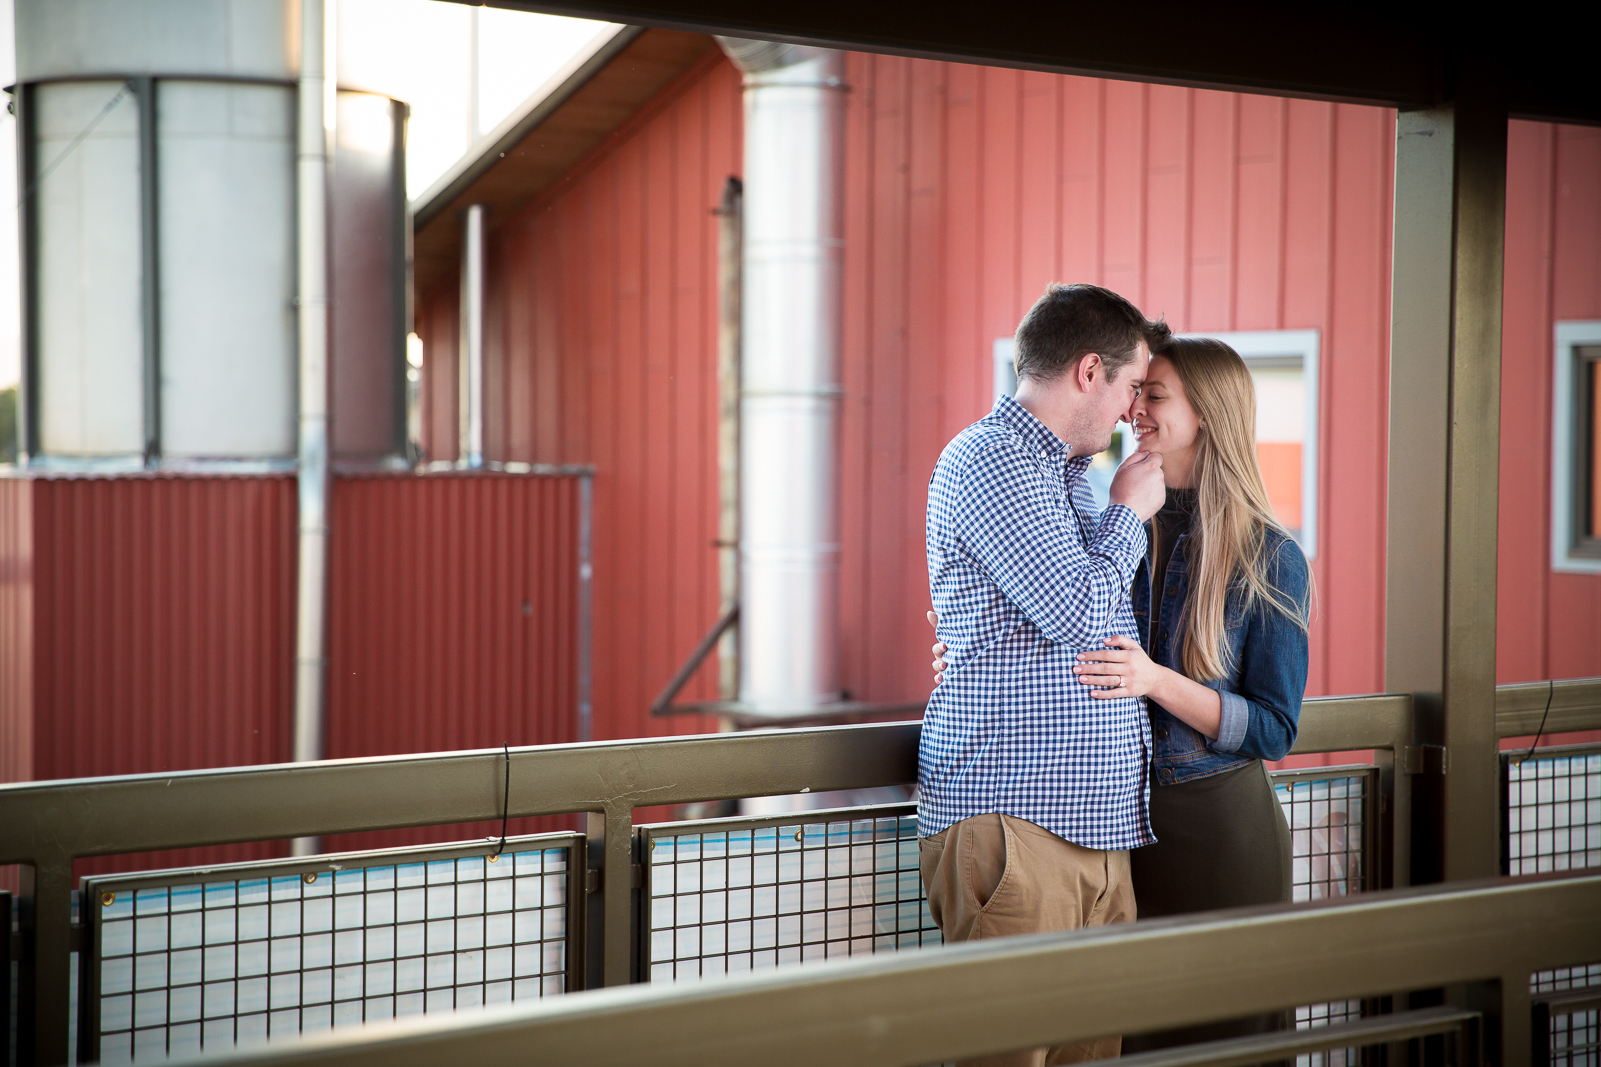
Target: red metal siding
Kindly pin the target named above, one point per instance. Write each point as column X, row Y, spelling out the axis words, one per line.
column 452, row 621
column 602, row 305
column 163, row 614
column 147, row 625
column 16, row 630
column 148, row 628
column 1548, row 624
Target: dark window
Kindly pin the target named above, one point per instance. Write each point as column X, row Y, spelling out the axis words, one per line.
column 1586, row 513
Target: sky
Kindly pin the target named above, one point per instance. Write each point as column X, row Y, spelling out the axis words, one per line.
column 419, row 51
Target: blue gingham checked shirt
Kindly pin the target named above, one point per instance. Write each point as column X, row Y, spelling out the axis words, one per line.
column 1026, row 573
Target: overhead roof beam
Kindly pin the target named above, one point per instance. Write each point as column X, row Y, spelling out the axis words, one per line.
column 1403, row 55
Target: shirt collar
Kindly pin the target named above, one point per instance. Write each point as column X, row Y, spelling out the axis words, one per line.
column 1034, row 432
column 1037, row 435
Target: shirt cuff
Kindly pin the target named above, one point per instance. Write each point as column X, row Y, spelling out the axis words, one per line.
column 1120, row 522
column 1231, row 727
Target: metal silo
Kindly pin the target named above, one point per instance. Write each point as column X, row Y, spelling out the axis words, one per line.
column 158, row 155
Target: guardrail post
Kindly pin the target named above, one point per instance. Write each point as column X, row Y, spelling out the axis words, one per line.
column 610, row 949
column 1445, row 388
column 1494, row 999
column 47, row 915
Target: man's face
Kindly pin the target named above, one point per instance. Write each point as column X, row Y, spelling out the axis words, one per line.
column 1111, row 401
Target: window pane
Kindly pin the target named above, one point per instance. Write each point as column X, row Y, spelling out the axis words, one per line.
column 227, row 158
column 91, row 347
column 1280, row 435
column 1593, row 446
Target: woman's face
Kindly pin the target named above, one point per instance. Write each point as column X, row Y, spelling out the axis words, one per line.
column 1165, row 423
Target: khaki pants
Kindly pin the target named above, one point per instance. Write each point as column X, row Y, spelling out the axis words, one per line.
column 996, row 876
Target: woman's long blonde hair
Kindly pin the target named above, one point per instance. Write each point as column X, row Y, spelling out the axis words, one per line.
column 1233, row 515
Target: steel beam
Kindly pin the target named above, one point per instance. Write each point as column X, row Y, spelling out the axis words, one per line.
column 981, row 997
column 1520, row 710
column 1445, row 374
column 145, row 812
column 1400, row 54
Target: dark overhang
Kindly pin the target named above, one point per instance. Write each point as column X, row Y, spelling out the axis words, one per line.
column 541, row 142
column 1405, row 54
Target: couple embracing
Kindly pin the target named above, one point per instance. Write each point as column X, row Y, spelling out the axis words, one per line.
column 1109, row 681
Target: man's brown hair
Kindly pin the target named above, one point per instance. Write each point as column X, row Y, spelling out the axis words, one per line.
column 1071, row 321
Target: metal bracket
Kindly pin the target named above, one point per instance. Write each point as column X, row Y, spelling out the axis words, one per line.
column 1425, row 759
column 592, row 880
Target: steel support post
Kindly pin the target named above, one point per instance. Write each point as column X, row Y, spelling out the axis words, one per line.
column 610, row 920
column 49, row 909
column 1445, row 390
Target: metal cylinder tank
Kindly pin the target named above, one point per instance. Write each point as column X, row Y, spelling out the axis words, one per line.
column 790, row 393
column 157, row 143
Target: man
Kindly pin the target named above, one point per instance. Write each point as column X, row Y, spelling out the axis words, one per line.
column 1032, row 792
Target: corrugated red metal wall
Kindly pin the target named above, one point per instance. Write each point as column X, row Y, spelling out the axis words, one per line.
column 153, row 625
column 452, row 621
column 147, row 625
column 16, row 630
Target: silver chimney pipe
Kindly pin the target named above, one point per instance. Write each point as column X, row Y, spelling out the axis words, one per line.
column 473, row 250
column 793, row 251
column 315, row 119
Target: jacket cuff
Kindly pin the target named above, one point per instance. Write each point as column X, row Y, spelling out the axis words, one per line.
column 1231, row 728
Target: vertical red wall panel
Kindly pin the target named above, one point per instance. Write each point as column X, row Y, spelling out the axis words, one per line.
column 1548, row 623
column 16, row 630
column 452, row 621
column 1523, row 580
column 146, row 625
column 605, row 293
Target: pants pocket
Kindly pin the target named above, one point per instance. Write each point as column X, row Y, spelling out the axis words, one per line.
column 990, row 867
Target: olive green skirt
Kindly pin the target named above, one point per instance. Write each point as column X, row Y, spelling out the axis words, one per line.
column 1221, row 842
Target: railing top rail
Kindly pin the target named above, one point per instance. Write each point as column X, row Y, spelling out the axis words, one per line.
column 1575, row 705
column 139, row 813
column 136, row 813
column 971, row 999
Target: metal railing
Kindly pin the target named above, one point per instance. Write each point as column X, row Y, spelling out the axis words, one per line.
column 197, row 959
column 47, row 825
column 1551, row 809
column 732, row 895
column 1478, row 941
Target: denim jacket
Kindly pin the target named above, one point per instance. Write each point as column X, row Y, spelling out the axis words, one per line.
column 1265, row 677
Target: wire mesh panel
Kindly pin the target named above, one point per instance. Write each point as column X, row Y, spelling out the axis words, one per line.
column 742, row 894
column 209, row 958
column 1574, row 1033
column 1331, row 831
column 1332, row 838
column 1551, row 815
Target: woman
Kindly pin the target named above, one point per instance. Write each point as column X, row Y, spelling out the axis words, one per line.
column 1222, row 658
column 1222, row 605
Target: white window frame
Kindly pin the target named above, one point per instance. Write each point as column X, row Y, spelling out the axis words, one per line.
column 1259, row 348
column 1003, row 351
column 1569, row 338
column 1270, row 348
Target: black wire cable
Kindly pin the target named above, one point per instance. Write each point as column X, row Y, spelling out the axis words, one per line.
column 505, row 800
column 1551, row 689
column 127, row 87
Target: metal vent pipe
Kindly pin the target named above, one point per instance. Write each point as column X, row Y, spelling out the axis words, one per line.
column 473, row 250
column 311, row 168
column 789, row 400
